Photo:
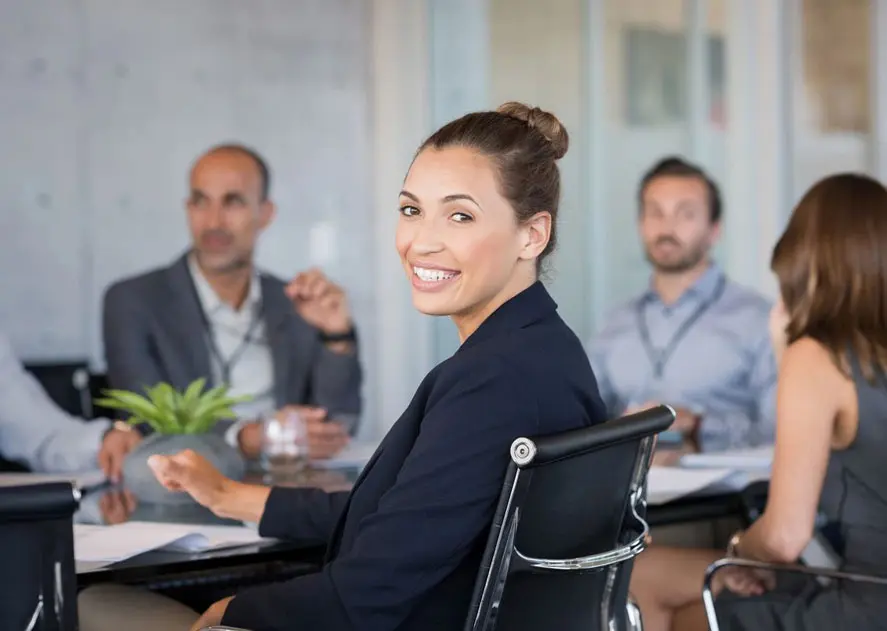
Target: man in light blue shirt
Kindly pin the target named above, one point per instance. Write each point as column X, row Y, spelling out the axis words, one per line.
column 694, row 340
column 39, row 434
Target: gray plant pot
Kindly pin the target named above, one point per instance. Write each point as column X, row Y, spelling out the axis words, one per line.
column 140, row 480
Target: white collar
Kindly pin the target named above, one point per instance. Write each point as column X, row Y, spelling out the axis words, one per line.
column 210, row 300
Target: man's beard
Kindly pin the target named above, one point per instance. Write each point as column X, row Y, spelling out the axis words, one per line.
column 234, row 264
column 690, row 258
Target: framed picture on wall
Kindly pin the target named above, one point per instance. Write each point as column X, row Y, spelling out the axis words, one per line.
column 657, row 77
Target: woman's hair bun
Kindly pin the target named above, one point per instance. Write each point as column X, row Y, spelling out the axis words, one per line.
column 544, row 122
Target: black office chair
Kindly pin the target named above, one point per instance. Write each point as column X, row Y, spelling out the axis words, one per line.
column 563, row 537
column 66, row 383
column 37, row 547
column 569, row 522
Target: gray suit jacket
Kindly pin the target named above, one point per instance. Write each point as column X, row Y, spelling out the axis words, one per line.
column 153, row 331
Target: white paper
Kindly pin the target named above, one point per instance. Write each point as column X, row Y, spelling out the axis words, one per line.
column 122, row 541
column 83, row 480
column 354, row 455
column 757, row 459
column 665, row 484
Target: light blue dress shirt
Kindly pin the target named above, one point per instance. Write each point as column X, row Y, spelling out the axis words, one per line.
column 35, row 431
column 713, row 348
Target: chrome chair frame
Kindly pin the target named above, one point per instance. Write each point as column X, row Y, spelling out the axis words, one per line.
column 708, row 598
column 523, row 452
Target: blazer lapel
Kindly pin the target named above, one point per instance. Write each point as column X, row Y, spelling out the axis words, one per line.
column 184, row 320
column 277, row 311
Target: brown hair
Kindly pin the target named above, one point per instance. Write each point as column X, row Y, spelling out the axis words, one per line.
column 674, row 166
column 523, row 144
column 831, row 263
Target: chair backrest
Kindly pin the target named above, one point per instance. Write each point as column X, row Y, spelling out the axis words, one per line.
column 64, row 382
column 37, row 547
column 569, row 522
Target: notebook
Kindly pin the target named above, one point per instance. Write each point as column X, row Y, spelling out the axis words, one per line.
column 110, row 544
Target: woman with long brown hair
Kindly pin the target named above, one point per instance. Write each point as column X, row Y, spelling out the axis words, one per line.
column 829, row 333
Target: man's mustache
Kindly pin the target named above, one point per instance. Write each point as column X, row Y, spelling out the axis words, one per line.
column 667, row 240
column 217, row 234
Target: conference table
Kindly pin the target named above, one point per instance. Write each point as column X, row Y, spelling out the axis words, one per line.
column 279, row 560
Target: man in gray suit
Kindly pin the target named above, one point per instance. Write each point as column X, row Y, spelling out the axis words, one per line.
column 289, row 346
column 37, row 433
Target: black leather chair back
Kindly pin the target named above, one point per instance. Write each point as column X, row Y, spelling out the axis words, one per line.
column 37, row 547
column 568, row 524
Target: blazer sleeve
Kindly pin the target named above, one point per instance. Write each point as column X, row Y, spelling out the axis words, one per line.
column 304, row 515
column 447, row 487
column 125, row 335
column 335, row 384
column 34, row 430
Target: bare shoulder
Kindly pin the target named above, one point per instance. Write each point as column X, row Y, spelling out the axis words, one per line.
column 808, row 364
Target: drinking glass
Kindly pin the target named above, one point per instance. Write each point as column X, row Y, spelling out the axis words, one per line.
column 284, row 443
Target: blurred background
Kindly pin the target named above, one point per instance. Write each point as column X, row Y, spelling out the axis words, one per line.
column 104, row 104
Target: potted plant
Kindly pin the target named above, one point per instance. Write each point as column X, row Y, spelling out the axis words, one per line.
column 180, row 420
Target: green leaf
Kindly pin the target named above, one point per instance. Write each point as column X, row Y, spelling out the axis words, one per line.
column 169, row 411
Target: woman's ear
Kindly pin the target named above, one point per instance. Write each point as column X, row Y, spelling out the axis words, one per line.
column 536, row 233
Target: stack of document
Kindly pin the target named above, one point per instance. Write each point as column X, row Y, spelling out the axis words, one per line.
column 699, row 474
column 110, row 544
column 757, row 459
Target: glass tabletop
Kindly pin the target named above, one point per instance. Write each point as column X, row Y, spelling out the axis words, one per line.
column 115, row 504
column 109, row 505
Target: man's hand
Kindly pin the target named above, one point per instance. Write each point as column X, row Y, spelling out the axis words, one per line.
column 324, row 438
column 213, row 616
column 320, row 302
column 116, row 444
column 116, row 506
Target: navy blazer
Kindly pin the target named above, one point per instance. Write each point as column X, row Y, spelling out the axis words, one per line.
column 405, row 545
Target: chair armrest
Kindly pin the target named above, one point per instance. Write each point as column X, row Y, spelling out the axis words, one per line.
column 714, row 568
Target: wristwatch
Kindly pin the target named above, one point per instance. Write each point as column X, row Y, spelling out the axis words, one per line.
column 346, row 336
column 733, row 544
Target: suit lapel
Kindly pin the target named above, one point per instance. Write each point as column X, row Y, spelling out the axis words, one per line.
column 182, row 312
column 277, row 311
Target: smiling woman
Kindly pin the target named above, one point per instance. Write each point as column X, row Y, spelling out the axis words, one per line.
column 479, row 210
column 478, row 214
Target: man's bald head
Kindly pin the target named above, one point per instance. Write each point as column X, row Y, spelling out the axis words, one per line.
column 261, row 166
column 228, row 207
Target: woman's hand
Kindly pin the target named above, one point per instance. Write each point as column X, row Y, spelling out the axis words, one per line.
column 744, row 581
column 191, row 473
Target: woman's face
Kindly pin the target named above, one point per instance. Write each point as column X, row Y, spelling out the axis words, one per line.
column 459, row 240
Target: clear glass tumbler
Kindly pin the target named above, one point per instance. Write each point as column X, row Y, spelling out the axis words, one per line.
column 284, row 443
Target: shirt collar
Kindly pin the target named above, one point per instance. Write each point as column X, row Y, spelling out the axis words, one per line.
column 210, row 300
column 703, row 289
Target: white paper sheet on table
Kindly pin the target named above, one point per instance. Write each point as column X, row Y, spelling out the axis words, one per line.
column 665, row 484
column 757, row 459
column 122, row 541
column 82, row 480
column 355, row 455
